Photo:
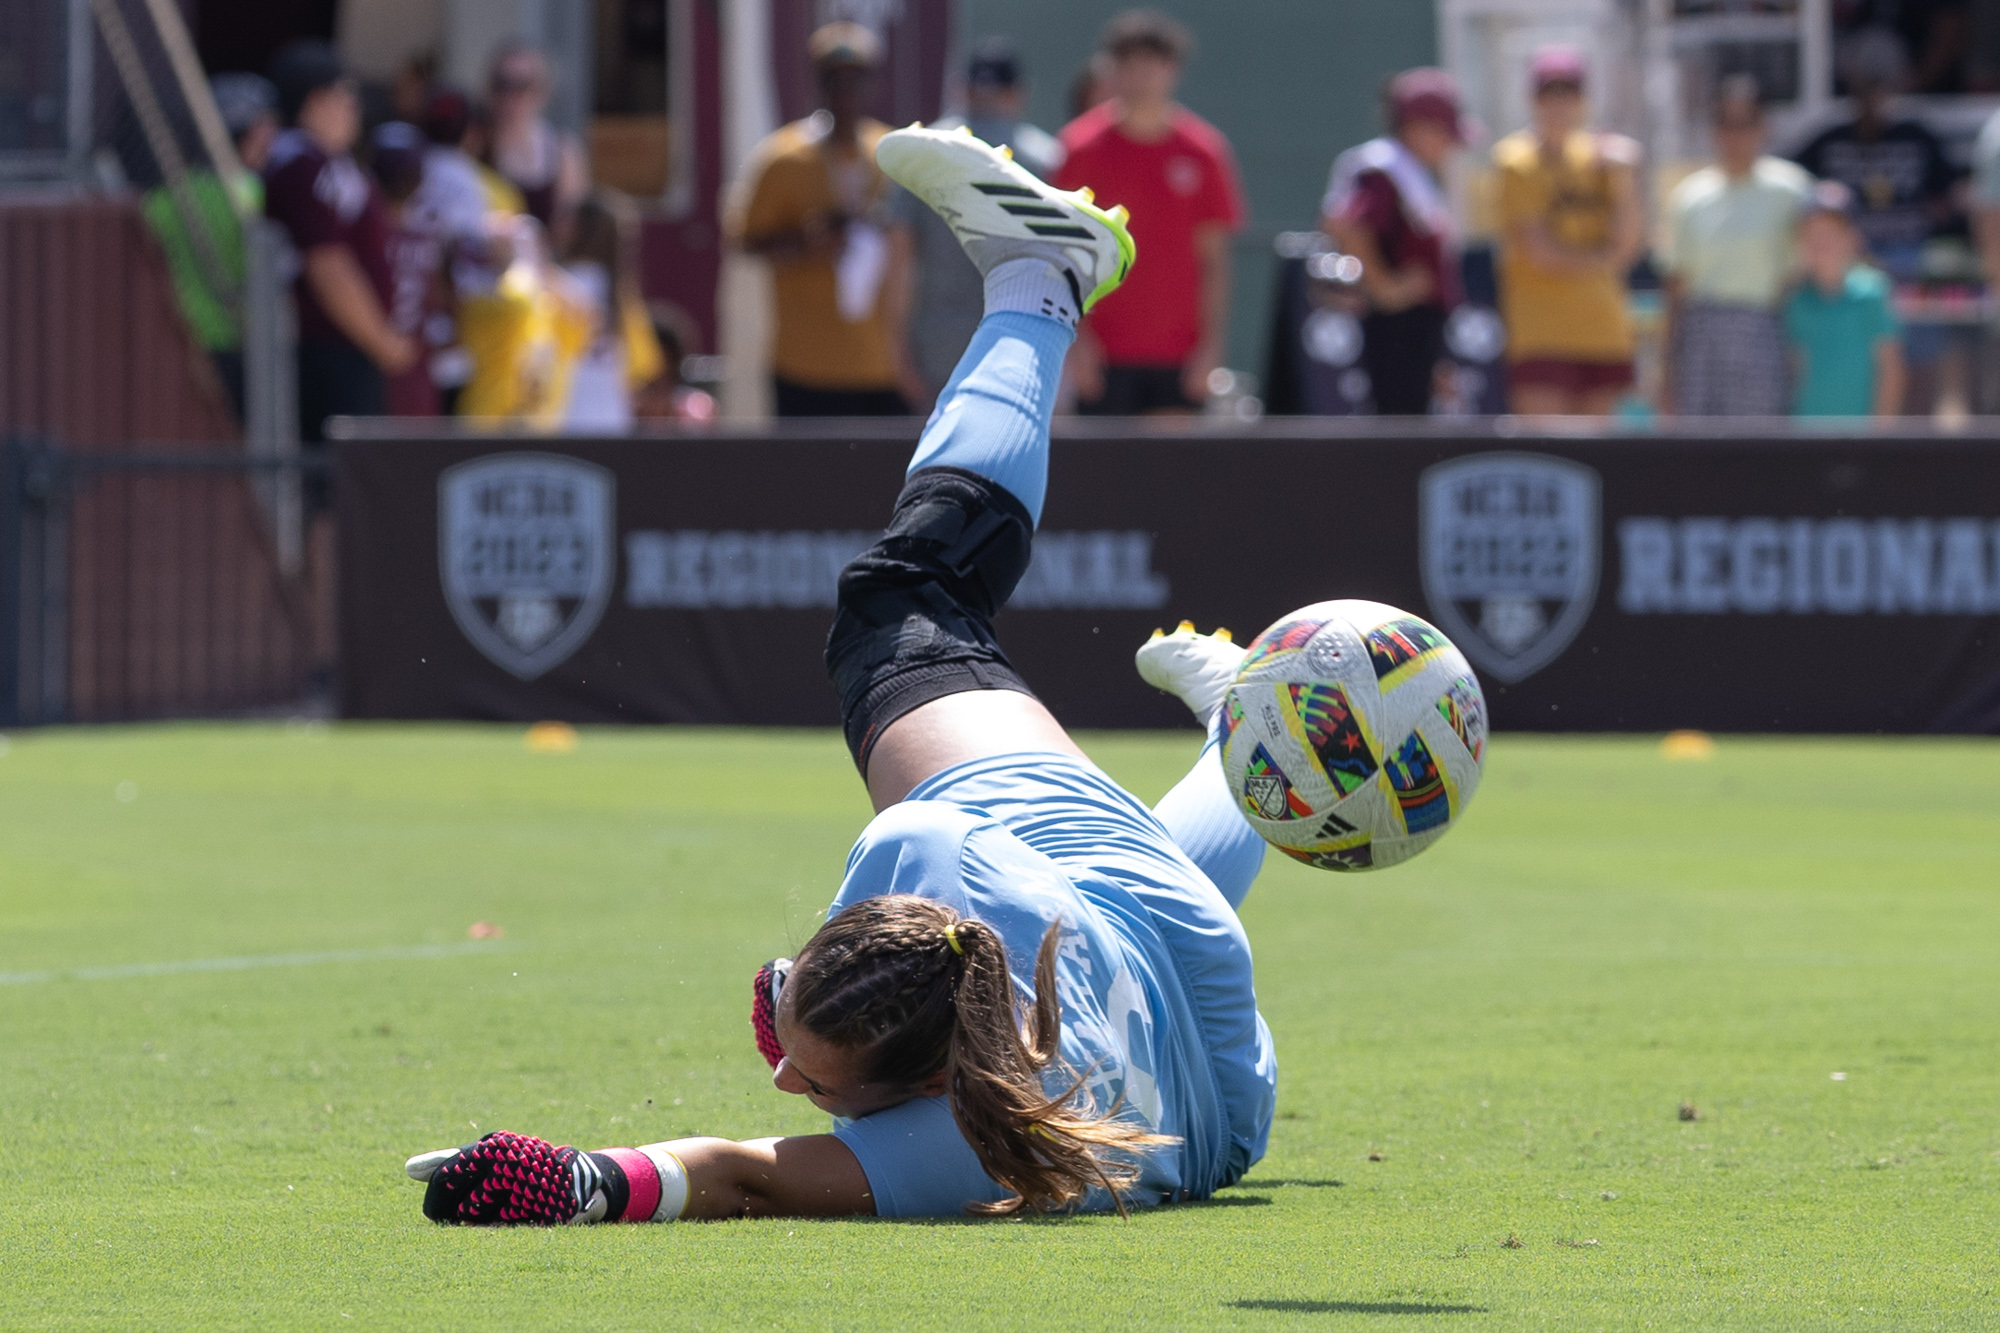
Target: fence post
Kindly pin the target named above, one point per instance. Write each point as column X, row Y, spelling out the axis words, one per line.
column 34, row 561
column 271, row 408
column 13, row 575
column 45, row 490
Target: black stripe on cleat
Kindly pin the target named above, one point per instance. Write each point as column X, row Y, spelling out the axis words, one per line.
column 1077, row 233
column 1033, row 211
column 1010, row 191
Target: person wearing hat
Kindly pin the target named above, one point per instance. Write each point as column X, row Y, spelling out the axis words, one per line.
column 936, row 295
column 1902, row 183
column 333, row 214
column 1570, row 226
column 812, row 203
column 1386, row 206
column 1730, row 230
column 452, row 194
column 1847, row 351
column 208, row 287
column 1895, row 168
column 1153, row 349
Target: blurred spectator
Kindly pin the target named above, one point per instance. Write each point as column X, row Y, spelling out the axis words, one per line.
column 453, row 193
column 624, row 353
column 454, row 202
column 334, row 216
column 502, row 195
column 1387, row 207
column 1895, row 168
column 546, row 165
column 1986, row 199
column 937, row 297
column 1152, row 346
column 525, row 329
column 248, row 105
column 1570, row 228
column 209, row 296
column 812, row 204
column 1847, row 353
column 1730, row 231
column 668, row 397
column 1950, row 42
column 1091, row 87
column 415, row 79
column 415, row 247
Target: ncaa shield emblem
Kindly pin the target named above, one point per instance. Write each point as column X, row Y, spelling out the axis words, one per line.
column 1509, row 548
column 526, row 552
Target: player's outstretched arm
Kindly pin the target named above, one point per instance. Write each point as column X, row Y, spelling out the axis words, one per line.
column 806, row 1175
column 516, row 1179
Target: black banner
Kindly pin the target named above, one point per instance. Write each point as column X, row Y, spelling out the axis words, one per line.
column 1821, row 584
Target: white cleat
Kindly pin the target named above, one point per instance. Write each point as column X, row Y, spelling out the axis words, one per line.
column 425, row 1164
column 1197, row 669
column 999, row 210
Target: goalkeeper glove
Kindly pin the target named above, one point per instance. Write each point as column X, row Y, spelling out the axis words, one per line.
column 519, row 1180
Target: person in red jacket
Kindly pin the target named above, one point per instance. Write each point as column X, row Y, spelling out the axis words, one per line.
column 1152, row 348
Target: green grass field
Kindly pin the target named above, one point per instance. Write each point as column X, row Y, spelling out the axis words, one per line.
column 1484, row 1053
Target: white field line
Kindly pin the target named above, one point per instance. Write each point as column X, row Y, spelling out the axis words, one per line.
column 121, row 971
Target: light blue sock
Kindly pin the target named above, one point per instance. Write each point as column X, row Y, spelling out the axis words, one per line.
column 993, row 416
column 1205, row 823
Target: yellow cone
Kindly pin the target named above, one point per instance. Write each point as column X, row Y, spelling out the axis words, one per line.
column 550, row 738
column 1687, row 745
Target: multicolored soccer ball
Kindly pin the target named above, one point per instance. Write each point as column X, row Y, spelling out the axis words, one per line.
column 1354, row 735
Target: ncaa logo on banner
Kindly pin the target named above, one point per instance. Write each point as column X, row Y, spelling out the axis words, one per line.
column 526, row 553
column 1509, row 546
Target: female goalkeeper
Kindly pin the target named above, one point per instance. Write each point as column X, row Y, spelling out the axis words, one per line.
column 1031, row 992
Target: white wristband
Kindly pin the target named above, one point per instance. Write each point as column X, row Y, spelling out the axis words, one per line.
column 673, row 1182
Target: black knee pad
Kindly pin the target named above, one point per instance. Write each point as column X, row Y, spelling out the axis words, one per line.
column 915, row 614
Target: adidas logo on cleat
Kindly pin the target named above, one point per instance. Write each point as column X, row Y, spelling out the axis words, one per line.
column 1035, row 210
column 1000, row 212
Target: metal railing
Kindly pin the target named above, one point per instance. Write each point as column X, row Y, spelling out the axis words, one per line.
column 152, row 583
column 109, row 95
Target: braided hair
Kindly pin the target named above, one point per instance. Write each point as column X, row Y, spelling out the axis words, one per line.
column 915, row 989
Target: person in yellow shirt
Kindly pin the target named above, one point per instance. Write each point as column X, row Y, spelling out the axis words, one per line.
column 1570, row 227
column 525, row 334
column 814, row 206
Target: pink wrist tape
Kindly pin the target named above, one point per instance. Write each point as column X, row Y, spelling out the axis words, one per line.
column 642, row 1177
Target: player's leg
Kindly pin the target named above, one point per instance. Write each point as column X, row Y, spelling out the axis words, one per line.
column 1200, row 814
column 924, row 687
column 958, row 728
column 923, row 683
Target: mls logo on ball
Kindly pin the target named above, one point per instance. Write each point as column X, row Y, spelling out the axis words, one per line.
column 1509, row 550
column 526, row 547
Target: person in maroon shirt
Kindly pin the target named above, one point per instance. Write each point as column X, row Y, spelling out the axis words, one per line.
column 1387, row 207
column 333, row 214
column 416, row 251
column 1151, row 346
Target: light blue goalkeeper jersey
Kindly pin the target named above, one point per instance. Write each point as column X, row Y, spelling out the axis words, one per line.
column 1158, row 1009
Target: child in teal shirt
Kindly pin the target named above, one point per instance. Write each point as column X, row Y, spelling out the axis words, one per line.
column 1847, row 346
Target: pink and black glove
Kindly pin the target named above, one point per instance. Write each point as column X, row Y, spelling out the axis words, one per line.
column 764, row 1008
column 519, row 1180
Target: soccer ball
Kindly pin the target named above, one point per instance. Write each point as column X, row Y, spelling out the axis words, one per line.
column 1354, row 735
